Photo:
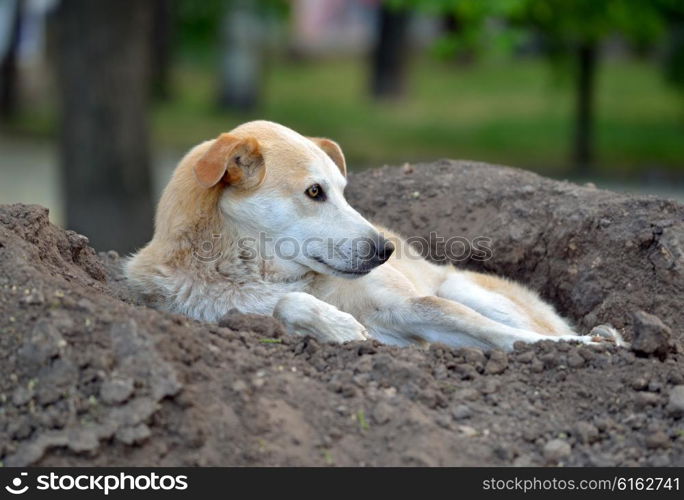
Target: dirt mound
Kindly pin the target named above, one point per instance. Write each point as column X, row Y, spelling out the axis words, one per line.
column 90, row 379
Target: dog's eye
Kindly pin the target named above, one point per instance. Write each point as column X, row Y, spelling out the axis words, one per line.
column 315, row 192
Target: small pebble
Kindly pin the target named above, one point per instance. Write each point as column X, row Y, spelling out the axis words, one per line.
column 586, row 433
column 556, row 450
column 467, row 430
column 461, row 412
column 657, row 440
column 643, row 399
column 382, row 413
column 639, row 384
column 676, row 402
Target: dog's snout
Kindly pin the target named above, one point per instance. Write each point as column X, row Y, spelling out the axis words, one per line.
column 384, row 249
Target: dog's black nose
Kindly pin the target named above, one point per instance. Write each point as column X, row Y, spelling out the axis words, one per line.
column 384, row 249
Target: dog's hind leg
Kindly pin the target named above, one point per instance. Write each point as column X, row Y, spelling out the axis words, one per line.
column 304, row 314
column 504, row 301
column 514, row 305
column 436, row 319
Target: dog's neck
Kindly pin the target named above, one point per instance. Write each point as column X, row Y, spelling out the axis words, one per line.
column 243, row 248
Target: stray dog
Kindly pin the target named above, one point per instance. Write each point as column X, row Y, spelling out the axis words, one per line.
column 235, row 203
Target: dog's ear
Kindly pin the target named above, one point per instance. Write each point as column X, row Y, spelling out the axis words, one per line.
column 235, row 161
column 333, row 150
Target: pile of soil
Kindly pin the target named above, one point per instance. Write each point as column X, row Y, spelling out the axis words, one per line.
column 88, row 377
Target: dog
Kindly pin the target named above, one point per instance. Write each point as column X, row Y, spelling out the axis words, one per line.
column 256, row 220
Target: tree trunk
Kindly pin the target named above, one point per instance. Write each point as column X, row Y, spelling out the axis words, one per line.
column 162, row 33
column 390, row 53
column 453, row 26
column 8, row 67
column 103, row 77
column 242, row 56
column 583, row 149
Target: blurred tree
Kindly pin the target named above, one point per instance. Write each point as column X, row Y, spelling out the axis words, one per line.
column 572, row 32
column 103, row 65
column 241, row 55
column 232, row 34
column 389, row 57
column 198, row 26
column 674, row 55
column 162, row 35
column 8, row 58
column 244, row 42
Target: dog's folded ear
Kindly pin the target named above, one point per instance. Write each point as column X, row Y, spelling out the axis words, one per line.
column 233, row 160
column 333, row 150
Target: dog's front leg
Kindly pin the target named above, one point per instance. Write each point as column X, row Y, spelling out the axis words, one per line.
column 304, row 314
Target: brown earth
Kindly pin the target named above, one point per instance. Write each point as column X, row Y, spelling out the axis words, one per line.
column 90, row 378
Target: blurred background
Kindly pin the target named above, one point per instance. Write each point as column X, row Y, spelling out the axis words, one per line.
column 100, row 99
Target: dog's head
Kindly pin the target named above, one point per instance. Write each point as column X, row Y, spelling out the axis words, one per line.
column 287, row 191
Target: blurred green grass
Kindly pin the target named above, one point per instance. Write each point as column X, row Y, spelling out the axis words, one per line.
column 511, row 112
column 505, row 112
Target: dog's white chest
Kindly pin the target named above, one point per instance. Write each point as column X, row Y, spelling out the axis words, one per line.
column 209, row 299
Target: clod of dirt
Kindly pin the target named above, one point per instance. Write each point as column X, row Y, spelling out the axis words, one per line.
column 642, row 400
column 651, row 336
column 89, row 377
column 265, row 326
column 497, row 363
column 116, row 391
column 586, row 433
column 657, row 439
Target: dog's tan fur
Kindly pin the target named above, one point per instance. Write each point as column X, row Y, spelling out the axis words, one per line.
column 221, row 192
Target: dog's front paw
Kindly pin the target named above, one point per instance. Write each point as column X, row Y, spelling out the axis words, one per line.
column 302, row 314
column 340, row 327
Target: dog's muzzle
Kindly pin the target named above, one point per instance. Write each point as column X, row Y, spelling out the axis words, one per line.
column 368, row 254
